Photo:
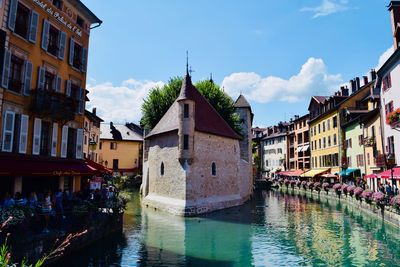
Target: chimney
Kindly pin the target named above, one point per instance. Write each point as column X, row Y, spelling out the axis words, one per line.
column 357, row 83
column 372, row 75
column 345, row 91
column 94, row 111
column 352, row 86
column 394, row 8
column 365, row 80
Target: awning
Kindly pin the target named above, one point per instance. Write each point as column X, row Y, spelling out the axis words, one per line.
column 305, row 148
column 328, row 175
column 312, row 173
column 100, row 168
column 348, row 172
column 295, row 173
column 388, row 174
column 38, row 166
column 299, row 149
column 373, row 176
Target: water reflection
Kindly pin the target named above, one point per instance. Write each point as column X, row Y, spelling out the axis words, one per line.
column 274, row 229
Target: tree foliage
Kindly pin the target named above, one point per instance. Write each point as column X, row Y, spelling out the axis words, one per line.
column 160, row 99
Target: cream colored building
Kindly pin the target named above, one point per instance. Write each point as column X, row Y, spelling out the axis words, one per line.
column 120, row 148
column 91, row 138
column 194, row 162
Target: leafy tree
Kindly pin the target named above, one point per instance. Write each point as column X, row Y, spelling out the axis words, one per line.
column 160, row 99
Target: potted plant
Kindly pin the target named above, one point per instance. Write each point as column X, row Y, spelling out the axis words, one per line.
column 338, row 189
column 393, row 117
column 357, row 192
column 292, row 184
column 298, row 183
column 326, row 187
column 304, row 185
column 350, row 190
column 344, row 189
column 367, row 196
column 380, row 199
column 395, row 203
column 310, row 185
column 317, row 186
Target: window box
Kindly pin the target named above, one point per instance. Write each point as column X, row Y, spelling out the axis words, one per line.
column 393, row 118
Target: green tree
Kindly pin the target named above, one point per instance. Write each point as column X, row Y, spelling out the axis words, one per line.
column 161, row 98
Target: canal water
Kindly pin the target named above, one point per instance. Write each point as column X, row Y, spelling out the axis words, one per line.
column 274, row 229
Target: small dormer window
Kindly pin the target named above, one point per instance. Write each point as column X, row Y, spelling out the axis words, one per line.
column 79, row 21
column 162, row 171
column 186, row 110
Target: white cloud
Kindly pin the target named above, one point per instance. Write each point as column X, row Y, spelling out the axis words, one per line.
column 384, row 57
column 313, row 78
column 120, row 103
column 327, row 7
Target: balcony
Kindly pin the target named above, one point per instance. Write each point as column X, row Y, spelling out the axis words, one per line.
column 53, row 105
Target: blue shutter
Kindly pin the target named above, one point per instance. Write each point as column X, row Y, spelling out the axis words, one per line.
column 27, row 77
column 84, row 59
column 71, row 52
column 6, row 68
column 33, row 26
column 41, row 78
column 68, row 88
column 45, row 35
column 61, row 45
column 12, row 15
column 58, row 84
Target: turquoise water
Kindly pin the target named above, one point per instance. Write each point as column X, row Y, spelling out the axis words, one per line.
column 271, row 230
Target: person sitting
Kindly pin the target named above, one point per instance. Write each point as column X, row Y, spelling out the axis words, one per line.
column 19, row 200
column 8, row 201
column 32, row 200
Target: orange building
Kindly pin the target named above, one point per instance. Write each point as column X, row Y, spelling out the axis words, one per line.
column 43, row 75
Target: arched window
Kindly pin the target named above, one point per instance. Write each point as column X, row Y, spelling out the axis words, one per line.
column 162, row 169
column 213, row 169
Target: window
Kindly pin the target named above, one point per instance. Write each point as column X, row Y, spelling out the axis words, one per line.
column 57, row 4
column 101, row 145
column 77, row 56
column 369, row 159
column 328, row 124
column 113, row 146
column 53, row 41
column 115, row 164
column 360, row 140
column 319, row 141
column 319, row 128
column 360, row 160
column 79, row 21
column 386, row 82
column 71, row 145
column 390, row 145
column 78, row 94
column 323, row 126
column 185, row 142
column 45, row 139
column 186, row 110
column 335, row 122
column 22, row 21
column 49, row 81
column 389, row 107
column 213, row 169
column 85, row 142
column 162, row 169
column 329, row 141
column 15, row 83
column 324, row 142
column 334, row 140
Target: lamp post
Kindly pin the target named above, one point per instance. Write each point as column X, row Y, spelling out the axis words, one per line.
column 391, row 163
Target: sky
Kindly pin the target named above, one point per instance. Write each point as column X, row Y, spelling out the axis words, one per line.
column 276, row 53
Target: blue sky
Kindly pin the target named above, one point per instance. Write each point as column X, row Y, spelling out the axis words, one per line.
column 278, row 53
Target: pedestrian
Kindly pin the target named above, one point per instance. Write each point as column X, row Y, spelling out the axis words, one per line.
column 8, row 201
column 32, row 200
column 59, row 203
column 388, row 189
column 46, row 210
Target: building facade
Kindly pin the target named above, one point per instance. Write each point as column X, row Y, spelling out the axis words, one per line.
column 91, row 138
column 275, row 149
column 43, row 75
column 388, row 83
column 121, row 148
column 298, row 144
column 194, row 162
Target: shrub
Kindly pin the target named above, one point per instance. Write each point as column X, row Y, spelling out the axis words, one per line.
column 367, row 195
column 379, row 198
column 298, row 183
column 357, row 192
column 310, row 185
column 395, row 202
column 344, row 189
column 350, row 190
column 304, row 185
column 317, row 186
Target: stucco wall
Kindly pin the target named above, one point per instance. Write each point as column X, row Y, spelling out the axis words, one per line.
column 127, row 153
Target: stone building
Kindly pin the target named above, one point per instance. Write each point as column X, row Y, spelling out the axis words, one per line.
column 194, row 162
column 299, row 144
column 91, row 135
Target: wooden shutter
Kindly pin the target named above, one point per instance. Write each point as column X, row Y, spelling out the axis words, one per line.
column 54, row 140
column 81, row 101
column 41, row 78
column 27, row 77
column 12, row 15
column 45, row 34
column 71, row 52
column 61, row 45
column 8, row 131
column 84, row 59
column 37, row 131
column 58, row 84
column 33, row 27
column 68, row 88
column 23, row 136
column 79, row 143
column 6, row 68
column 64, row 141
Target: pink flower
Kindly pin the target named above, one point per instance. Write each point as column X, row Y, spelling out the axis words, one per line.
column 358, row 191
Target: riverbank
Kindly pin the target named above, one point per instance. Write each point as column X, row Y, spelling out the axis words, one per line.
column 357, row 206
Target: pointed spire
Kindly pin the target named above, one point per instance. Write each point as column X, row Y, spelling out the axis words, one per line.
column 187, row 63
column 211, row 78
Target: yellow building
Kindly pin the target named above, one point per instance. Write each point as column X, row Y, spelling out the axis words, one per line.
column 91, row 136
column 43, row 74
column 121, row 147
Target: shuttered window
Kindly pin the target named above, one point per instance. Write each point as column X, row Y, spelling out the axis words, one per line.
column 37, row 130
column 23, row 21
column 23, row 137
column 79, row 143
column 27, row 78
column 54, row 140
column 8, row 131
column 64, row 141
column 6, row 68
